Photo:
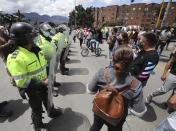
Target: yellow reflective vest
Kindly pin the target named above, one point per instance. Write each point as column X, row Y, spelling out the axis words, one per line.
column 48, row 48
column 58, row 37
column 24, row 65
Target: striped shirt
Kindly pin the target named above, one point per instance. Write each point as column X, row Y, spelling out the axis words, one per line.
column 144, row 64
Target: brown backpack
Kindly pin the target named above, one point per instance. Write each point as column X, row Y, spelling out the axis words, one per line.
column 109, row 102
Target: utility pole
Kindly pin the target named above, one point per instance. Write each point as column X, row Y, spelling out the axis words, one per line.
column 159, row 17
column 164, row 21
column 75, row 13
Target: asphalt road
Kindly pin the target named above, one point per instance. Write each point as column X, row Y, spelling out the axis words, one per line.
column 74, row 100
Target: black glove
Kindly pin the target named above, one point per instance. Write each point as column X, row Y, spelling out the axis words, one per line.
column 22, row 93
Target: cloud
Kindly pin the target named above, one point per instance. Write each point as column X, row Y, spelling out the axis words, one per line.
column 55, row 7
column 50, row 7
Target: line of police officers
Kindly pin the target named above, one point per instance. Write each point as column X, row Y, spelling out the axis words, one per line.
column 28, row 65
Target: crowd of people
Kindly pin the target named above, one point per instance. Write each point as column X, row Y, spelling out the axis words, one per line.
column 133, row 55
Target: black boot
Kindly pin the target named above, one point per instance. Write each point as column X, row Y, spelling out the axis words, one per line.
column 57, row 84
column 67, row 59
column 37, row 122
column 66, row 69
column 55, row 113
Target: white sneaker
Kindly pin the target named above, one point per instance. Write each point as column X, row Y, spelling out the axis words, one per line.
column 148, row 99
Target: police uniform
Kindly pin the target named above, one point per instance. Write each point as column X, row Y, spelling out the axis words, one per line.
column 27, row 67
column 57, row 38
column 48, row 48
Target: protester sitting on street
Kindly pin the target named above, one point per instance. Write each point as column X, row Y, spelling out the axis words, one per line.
column 168, row 79
column 119, row 77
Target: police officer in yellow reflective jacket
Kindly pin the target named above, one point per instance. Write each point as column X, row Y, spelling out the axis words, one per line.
column 27, row 66
column 55, row 39
column 45, row 43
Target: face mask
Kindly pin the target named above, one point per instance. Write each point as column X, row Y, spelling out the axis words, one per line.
column 141, row 46
column 53, row 32
column 35, row 40
column 47, row 34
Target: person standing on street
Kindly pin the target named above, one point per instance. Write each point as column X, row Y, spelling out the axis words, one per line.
column 27, row 67
column 6, row 47
column 119, row 77
column 48, row 48
column 81, row 37
column 169, row 80
column 143, row 65
column 146, row 59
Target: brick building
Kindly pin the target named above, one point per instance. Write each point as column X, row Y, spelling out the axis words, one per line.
column 140, row 14
column 107, row 14
column 172, row 14
column 135, row 14
column 123, row 15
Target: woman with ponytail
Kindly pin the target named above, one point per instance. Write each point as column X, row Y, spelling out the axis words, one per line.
column 119, row 77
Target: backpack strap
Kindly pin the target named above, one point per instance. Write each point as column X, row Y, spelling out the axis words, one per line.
column 133, row 84
column 105, row 76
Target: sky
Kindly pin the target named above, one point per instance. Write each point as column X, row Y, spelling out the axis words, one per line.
column 59, row 7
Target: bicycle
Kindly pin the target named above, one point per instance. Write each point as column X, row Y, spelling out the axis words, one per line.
column 91, row 46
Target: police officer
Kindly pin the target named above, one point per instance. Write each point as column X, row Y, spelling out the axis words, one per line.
column 27, row 66
column 46, row 45
column 57, row 37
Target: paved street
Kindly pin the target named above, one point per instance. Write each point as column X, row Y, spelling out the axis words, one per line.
column 74, row 100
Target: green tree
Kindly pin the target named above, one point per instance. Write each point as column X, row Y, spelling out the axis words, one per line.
column 84, row 17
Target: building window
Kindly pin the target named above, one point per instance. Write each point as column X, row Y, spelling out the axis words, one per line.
column 146, row 9
column 134, row 9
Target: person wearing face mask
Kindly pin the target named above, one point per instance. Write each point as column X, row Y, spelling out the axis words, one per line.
column 123, row 39
column 44, row 42
column 146, row 59
column 27, row 67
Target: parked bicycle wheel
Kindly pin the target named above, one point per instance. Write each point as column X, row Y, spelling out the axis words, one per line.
column 85, row 52
column 98, row 52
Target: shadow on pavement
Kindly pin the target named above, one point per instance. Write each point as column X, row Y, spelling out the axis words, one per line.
column 72, row 88
column 78, row 71
column 160, row 105
column 150, row 115
column 71, row 54
column 72, row 51
column 164, row 59
column 102, row 55
column 72, row 47
column 73, row 61
column 17, row 107
column 70, row 121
